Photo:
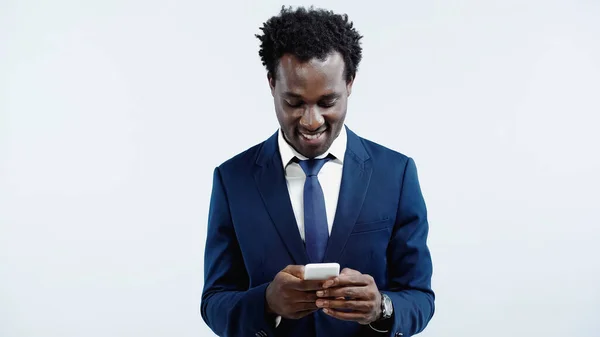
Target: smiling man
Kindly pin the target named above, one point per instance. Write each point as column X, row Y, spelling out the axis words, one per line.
column 316, row 192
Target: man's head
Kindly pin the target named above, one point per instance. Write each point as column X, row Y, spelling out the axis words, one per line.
column 311, row 58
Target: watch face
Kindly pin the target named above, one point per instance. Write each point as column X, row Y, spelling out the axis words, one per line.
column 387, row 306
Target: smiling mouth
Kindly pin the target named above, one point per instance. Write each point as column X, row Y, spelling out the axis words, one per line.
column 312, row 136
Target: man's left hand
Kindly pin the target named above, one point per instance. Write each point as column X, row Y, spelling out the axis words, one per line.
column 354, row 293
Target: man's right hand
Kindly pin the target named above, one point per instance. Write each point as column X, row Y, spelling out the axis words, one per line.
column 290, row 296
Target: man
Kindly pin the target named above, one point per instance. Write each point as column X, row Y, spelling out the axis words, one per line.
column 316, row 192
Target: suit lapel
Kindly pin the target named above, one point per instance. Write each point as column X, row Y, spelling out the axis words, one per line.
column 270, row 179
column 356, row 176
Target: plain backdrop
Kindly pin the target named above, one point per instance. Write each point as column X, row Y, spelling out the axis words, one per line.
column 113, row 115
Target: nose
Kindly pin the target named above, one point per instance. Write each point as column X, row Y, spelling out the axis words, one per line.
column 312, row 119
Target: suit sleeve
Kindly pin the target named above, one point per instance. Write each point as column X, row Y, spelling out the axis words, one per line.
column 228, row 306
column 409, row 260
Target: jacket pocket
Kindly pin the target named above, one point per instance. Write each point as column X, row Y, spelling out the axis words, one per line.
column 371, row 226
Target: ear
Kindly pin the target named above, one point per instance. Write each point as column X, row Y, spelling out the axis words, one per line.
column 349, row 85
column 271, row 80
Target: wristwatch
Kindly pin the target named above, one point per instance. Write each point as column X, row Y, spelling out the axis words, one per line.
column 387, row 309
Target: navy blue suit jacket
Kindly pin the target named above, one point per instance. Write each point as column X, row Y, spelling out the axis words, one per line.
column 380, row 228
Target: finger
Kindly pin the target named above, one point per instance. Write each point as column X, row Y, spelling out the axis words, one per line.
column 349, row 280
column 346, row 316
column 303, row 297
column 295, row 270
column 345, row 271
column 311, row 285
column 303, row 306
column 308, row 297
column 359, row 306
column 349, row 292
column 348, row 271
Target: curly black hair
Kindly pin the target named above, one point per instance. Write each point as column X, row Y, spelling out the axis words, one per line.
column 307, row 34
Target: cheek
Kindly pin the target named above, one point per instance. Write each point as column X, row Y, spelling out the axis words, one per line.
column 286, row 118
column 337, row 113
column 280, row 115
column 280, row 109
column 339, row 110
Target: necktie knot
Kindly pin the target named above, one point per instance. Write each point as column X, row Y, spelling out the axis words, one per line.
column 311, row 167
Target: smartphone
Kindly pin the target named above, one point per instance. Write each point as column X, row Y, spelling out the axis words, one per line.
column 321, row 271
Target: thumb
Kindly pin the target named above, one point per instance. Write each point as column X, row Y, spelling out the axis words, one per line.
column 348, row 271
column 295, row 270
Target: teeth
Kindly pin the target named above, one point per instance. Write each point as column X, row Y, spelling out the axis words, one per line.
column 311, row 136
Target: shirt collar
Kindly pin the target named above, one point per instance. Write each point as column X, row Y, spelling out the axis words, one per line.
column 337, row 149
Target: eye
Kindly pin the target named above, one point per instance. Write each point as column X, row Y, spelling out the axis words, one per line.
column 327, row 104
column 294, row 104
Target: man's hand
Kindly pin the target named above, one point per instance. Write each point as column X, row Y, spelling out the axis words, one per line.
column 290, row 296
column 352, row 296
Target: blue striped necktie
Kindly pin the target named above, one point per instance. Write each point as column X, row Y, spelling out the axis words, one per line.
column 316, row 231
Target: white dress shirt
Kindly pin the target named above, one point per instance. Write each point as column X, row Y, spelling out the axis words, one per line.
column 330, row 177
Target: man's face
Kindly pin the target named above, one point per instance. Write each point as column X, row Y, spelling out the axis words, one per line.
column 310, row 101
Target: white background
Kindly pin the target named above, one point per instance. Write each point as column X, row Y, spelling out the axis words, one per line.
column 113, row 115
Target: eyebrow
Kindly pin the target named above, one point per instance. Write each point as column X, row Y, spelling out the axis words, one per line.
column 328, row 96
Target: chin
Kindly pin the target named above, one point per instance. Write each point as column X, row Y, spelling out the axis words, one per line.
column 312, row 152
